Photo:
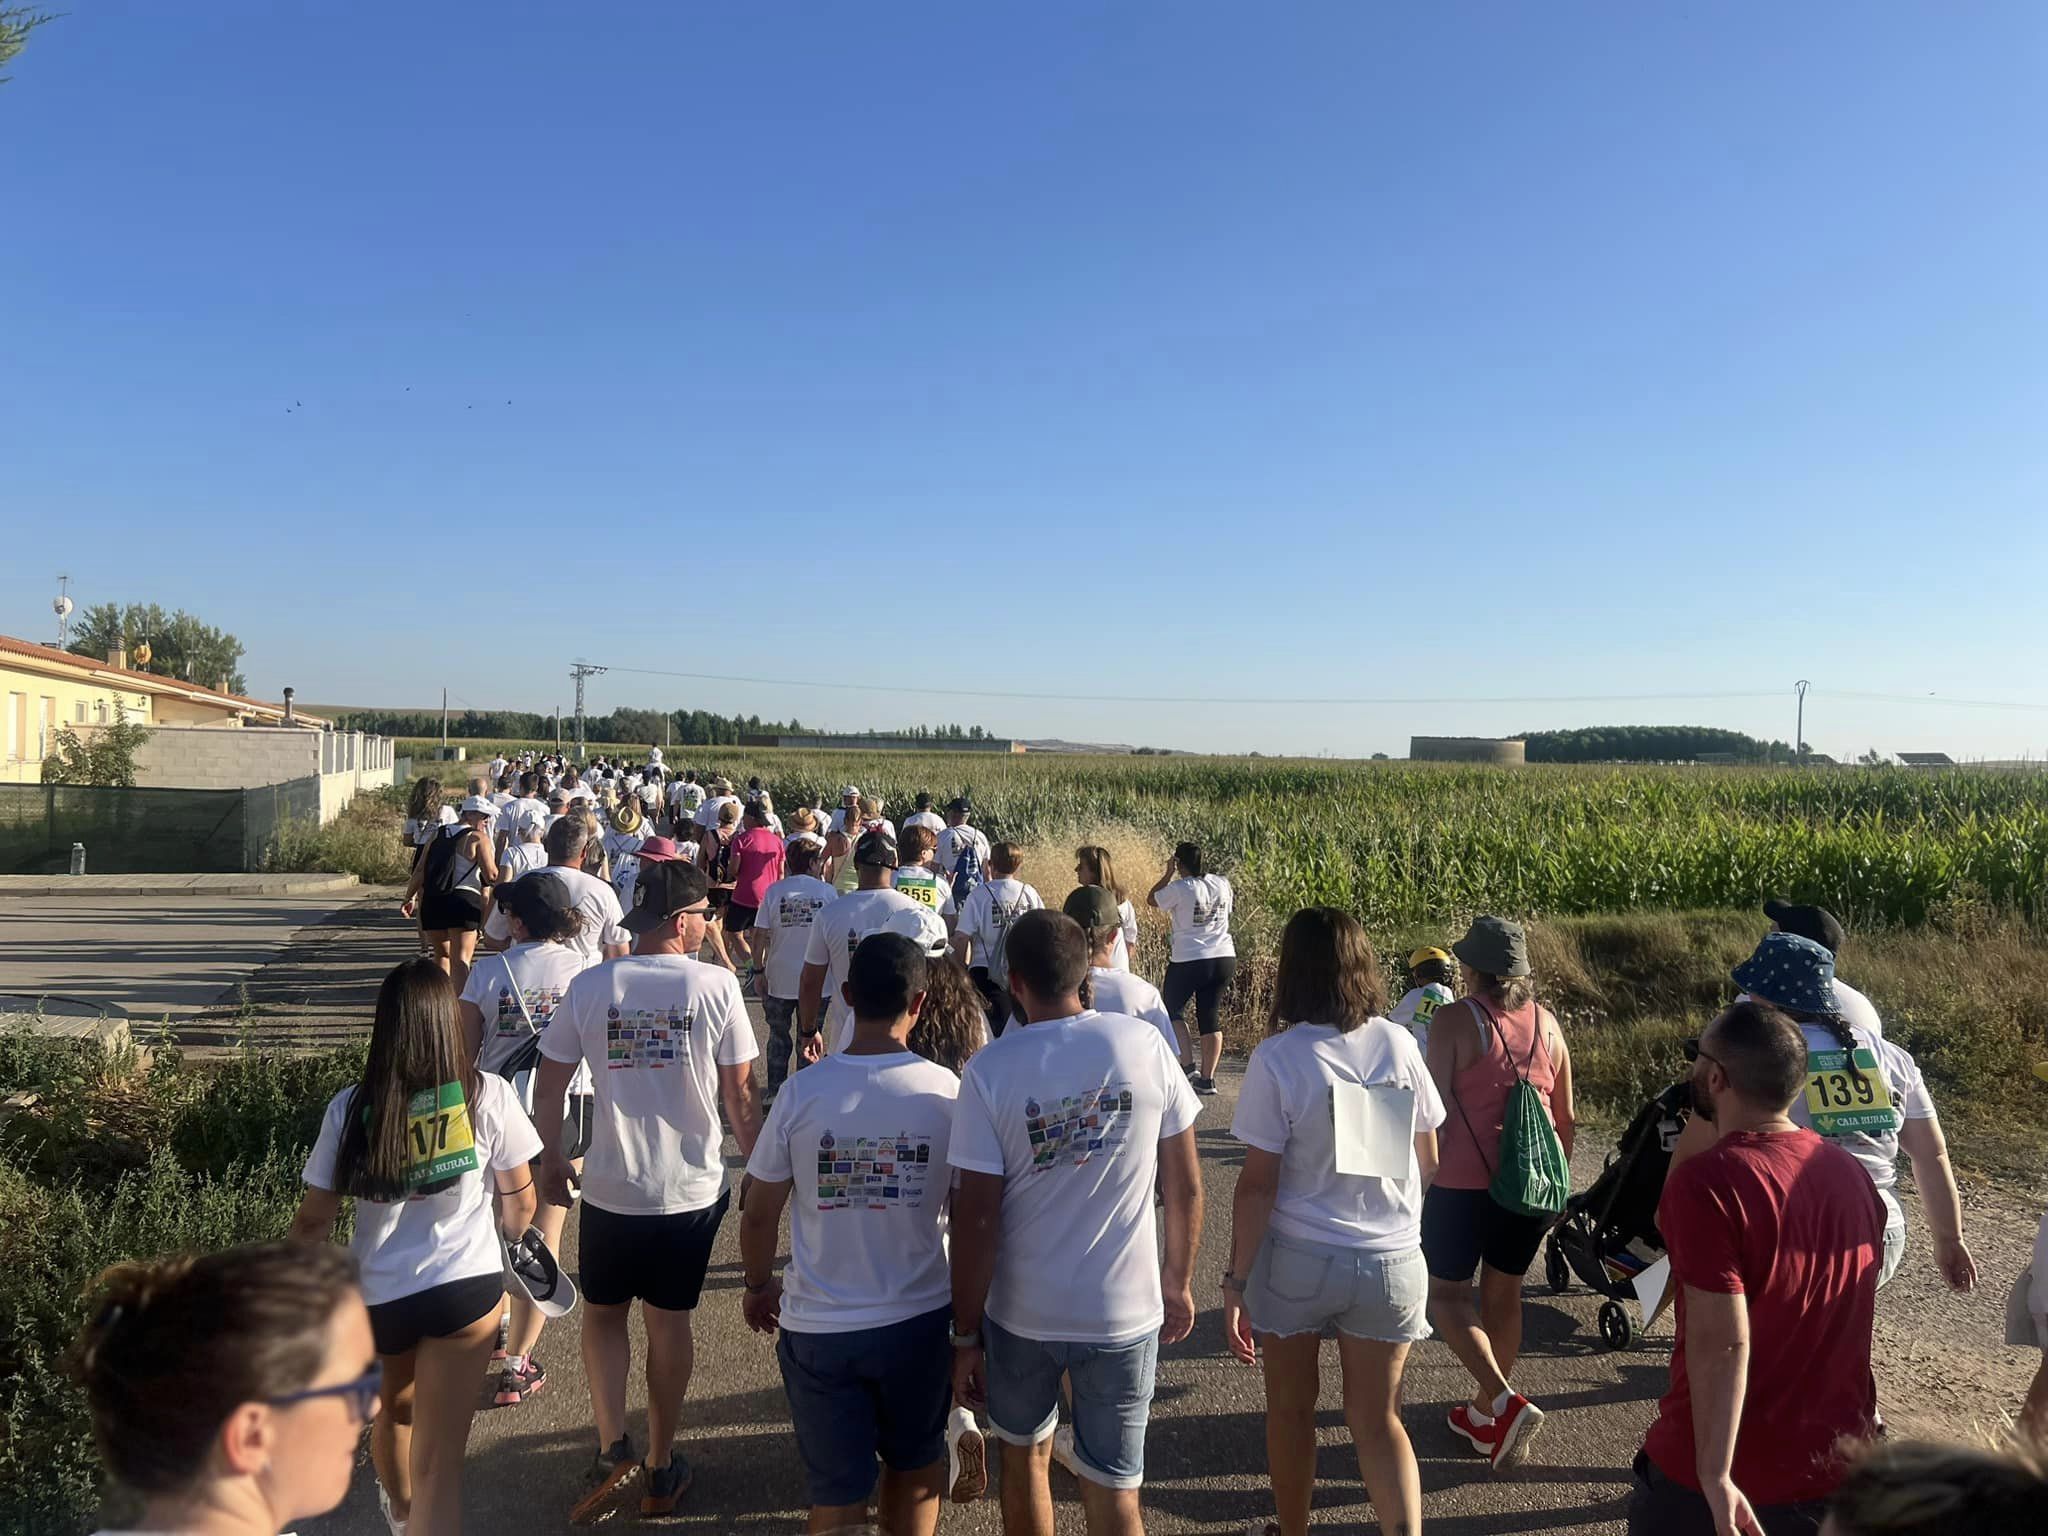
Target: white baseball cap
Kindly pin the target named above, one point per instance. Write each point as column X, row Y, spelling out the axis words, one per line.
column 479, row 805
column 923, row 927
column 851, row 792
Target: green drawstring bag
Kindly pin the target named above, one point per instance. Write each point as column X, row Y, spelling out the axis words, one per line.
column 1532, row 1177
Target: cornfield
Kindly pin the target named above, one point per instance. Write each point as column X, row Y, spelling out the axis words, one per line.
column 1399, row 843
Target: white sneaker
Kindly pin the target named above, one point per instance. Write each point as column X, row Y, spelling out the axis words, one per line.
column 384, row 1508
column 1063, row 1449
column 967, row 1458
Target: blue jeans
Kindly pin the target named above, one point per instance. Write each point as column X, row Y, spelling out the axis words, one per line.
column 1112, row 1398
column 873, row 1392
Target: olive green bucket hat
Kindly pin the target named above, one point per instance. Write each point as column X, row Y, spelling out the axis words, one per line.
column 1493, row 946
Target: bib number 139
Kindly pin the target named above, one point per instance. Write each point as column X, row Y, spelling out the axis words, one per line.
column 1846, row 1094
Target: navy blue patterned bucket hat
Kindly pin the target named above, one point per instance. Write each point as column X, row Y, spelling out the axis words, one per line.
column 1792, row 972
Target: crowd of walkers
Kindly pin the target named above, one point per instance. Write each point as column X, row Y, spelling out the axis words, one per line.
column 978, row 1124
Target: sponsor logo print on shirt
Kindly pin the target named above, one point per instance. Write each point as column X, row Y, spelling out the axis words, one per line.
column 873, row 1173
column 540, row 1003
column 798, row 911
column 1074, row 1130
column 647, row 1037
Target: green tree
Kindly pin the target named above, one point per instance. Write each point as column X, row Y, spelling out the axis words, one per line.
column 103, row 756
column 180, row 645
column 16, row 23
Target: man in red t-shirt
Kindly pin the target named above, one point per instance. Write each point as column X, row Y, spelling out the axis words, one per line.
column 1776, row 1237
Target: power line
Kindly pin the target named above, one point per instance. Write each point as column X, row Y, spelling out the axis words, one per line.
column 1207, row 698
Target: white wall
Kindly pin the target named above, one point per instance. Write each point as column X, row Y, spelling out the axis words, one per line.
column 200, row 757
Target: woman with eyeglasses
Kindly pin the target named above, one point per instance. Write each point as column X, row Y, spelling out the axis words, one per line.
column 229, row 1390
column 430, row 1148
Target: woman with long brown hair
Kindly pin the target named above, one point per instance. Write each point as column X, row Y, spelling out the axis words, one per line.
column 1326, row 1229
column 430, row 1149
column 229, row 1390
column 1094, row 866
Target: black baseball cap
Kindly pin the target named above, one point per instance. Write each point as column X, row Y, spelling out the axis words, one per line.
column 1815, row 923
column 876, row 847
column 665, row 887
column 536, row 898
column 961, row 804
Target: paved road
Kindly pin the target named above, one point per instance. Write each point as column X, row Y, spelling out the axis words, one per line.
column 178, row 955
column 1206, row 1452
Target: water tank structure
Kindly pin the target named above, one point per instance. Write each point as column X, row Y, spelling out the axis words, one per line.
column 1503, row 752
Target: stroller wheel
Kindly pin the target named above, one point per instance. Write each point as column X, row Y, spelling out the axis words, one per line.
column 1556, row 1271
column 1618, row 1329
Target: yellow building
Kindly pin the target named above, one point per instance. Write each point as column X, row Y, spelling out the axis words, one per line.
column 43, row 689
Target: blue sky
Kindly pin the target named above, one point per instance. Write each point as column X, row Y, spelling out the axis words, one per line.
column 1194, row 350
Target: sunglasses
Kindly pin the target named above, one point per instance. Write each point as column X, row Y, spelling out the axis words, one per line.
column 361, row 1393
column 1694, row 1053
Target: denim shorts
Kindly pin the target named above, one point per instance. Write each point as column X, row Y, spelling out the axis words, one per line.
column 1112, row 1398
column 876, row 1392
column 1304, row 1287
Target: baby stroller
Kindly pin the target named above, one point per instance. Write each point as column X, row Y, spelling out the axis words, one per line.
column 1608, row 1235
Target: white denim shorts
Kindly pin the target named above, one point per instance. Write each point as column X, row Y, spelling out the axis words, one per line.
column 1302, row 1287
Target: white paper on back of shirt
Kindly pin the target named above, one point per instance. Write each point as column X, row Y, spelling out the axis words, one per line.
column 1375, row 1129
column 1650, row 1284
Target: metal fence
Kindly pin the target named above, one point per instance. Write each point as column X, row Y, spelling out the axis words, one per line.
column 147, row 831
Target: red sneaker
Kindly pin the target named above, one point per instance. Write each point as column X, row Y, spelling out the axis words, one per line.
column 1506, row 1439
column 1470, row 1430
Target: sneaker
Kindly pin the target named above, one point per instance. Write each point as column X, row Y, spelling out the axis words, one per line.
column 614, row 1472
column 1263, row 1528
column 1470, row 1427
column 1205, row 1086
column 665, row 1485
column 384, row 1508
column 519, row 1382
column 967, row 1458
column 1063, row 1449
column 1193, row 1069
column 1506, row 1439
column 499, row 1349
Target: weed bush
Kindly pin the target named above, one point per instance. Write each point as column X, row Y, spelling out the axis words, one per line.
column 109, row 1155
column 364, row 841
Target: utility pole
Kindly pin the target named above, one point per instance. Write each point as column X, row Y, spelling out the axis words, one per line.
column 558, row 728
column 444, row 723
column 580, row 671
column 1799, row 731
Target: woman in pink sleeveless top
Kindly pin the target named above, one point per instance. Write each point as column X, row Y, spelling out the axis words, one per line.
column 1479, row 1047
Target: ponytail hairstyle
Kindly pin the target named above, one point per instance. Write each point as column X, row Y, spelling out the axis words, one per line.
column 176, row 1345
column 1837, row 1026
column 425, row 801
column 415, row 1047
column 949, row 1027
column 1188, row 858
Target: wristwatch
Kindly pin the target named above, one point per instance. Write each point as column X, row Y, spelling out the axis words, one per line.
column 965, row 1340
column 1233, row 1283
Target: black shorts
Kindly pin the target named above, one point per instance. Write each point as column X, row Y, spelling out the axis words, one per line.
column 438, row 1313
column 656, row 1259
column 455, row 912
column 1462, row 1227
column 738, row 918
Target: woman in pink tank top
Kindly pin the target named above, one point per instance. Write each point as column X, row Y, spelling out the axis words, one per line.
column 1496, row 1035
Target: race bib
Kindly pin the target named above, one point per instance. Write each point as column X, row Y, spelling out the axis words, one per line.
column 439, row 1142
column 925, row 892
column 1425, row 1009
column 1846, row 1094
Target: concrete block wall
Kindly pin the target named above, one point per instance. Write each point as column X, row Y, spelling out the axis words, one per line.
column 200, row 757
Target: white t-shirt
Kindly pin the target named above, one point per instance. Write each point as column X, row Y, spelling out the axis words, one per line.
column 926, row 887
column 1858, row 1010
column 524, row 812
column 1877, row 1151
column 838, row 824
column 1120, row 992
column 986, row 917
column 582, row 792
column 654, row 1030
column 1200, row 908
column 1417, row 1007
column 517, row 993
column 408, row 1246
column 498, row 766
column 946, row 858
column 707, row 813
column 930, row 819
column 1284, row 1107
column 841, row 925
column 1126, row 937
column 421, row 832
column 521, row 859
column 623, row 850
column 1071, row 1113
column 788, row 908
column 597, row 904
column 864, row 1138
